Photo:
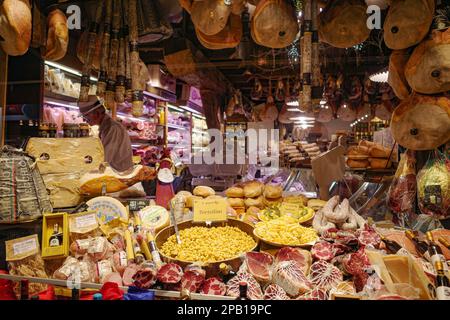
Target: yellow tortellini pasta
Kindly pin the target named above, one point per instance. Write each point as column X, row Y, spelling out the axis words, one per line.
column 201, row 244
column 286, row 231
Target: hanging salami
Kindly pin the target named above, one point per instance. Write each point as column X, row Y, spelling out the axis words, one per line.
column 103, row 74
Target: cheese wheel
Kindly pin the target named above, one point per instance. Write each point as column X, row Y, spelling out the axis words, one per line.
column 107, row 208
column 154, row 217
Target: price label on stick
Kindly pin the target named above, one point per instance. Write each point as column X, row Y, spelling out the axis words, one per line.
column 210, row 210
column 290, row 209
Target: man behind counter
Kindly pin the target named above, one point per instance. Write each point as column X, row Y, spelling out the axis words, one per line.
column 113, row 135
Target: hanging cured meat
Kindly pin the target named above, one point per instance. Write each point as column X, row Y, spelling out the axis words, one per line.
column 343, row 23
column 57, row 36
column 325, row 115
column 90, row 53
column 229, row 37
column 210, row 16
column 306, row 59
column 82, row 47
column 422, row 122
column 428, row 69
column 15, row 26
column 137, row 89
column 346, row 113
column 407, row 22
column 152, row 26
column 396, row 77
column 270, row 111
column 101, row 84
column 274, row 24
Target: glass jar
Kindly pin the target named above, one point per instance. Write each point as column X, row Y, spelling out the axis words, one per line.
column 84, row 130
column 53, row 130
column 44, row 130
column 71, row 130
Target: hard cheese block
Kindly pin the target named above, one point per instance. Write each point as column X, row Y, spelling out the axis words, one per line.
column 62, row 162
column 66, row 155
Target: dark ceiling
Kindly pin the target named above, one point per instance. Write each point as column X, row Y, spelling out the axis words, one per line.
column 262, row 63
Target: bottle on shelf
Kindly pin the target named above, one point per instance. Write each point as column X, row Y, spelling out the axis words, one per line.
column 442, row 282
column 24, row 290
column 226, row 272
column 54, row 238
column 243, row 291
column 391, row 246
column 435, row 251
column 421, row 246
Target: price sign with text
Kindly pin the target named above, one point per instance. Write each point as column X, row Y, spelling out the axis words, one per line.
column 290, row 209
column 210, row 210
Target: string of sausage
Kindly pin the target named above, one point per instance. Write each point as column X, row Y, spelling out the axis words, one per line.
column 137, row 95
column 315, row 81
column 120, row 80
column 86, row 70
column 113, row 58
column 103, row 74
column 306, row 104
column 128, row 91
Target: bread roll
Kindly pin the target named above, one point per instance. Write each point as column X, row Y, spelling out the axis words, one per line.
column 273, row 191
column 15, row 26
column 236, row 202
column 254, row 202
column 185, row 194
column 253, row 189
column 190, row 201
column 203, row 191
column 365, row 143
column 358, row 164
column 234, row 192
column 379, row 163
column 358, row 151
column 271, row 202
column 57, row 36
column 378, row 151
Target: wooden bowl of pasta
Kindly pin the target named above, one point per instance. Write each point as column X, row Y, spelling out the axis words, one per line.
column 209, row 246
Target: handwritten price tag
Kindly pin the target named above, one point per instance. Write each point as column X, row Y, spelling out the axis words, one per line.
column 210, row 210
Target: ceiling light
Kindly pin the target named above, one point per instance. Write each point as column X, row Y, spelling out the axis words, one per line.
column 323, row 101
column 294, row 110
column 302, row 118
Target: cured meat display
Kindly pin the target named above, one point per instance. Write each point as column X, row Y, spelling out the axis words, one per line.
column 275, row 292
column 254, row 291
column 170, row 273
column 325, row 275
column 258, row 265
column 289, row 276
column 214, row 286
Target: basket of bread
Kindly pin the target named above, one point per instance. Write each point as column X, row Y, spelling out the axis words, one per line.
column 367, row 155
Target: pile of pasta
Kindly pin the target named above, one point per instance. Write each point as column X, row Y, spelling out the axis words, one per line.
column 201, row 244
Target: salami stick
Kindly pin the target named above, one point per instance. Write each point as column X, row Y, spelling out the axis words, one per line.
column 113, row 57
column 120, row 79
column 306, row 58
column 86, row 71
column 138, row 95
column 103, row 74
column 315, row 81
column 128, row 91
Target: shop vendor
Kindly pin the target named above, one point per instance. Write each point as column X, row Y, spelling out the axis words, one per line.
column 114, row 136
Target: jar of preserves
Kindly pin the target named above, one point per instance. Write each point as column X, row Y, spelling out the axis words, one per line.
column 44, row 130
column 53, row 130
column 71, row 130
column 84, row 130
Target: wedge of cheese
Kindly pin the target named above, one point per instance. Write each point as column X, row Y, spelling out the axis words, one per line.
column 155, row 218
column 107, row 209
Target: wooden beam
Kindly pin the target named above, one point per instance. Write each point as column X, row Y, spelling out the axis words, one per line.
column 3, row 81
